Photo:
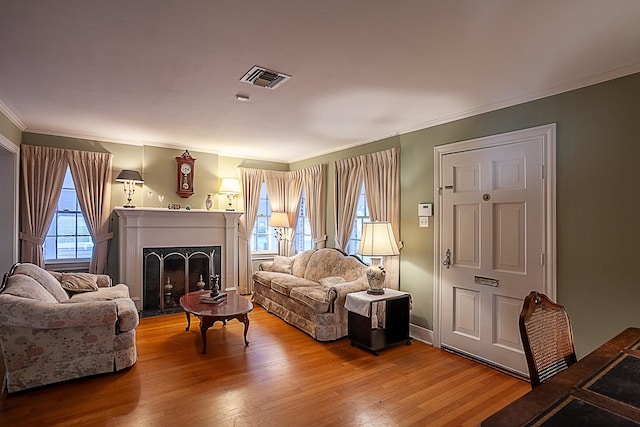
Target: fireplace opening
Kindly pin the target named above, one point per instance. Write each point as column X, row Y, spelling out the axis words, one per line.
column 170, row 273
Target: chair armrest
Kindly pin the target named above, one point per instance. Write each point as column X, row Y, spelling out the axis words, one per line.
column 265, row 266
column 34, row 314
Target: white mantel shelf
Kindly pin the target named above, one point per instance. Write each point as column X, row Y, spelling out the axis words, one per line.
column 141, row 228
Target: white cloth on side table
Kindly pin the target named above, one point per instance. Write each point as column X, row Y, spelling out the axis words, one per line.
column 373, row 306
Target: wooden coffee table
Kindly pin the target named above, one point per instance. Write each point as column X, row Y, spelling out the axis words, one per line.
column 234, row 307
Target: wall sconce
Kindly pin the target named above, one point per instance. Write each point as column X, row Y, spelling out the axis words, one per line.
column 130, row 179
column 377, row 241
column 230, row 187
column 280, row 221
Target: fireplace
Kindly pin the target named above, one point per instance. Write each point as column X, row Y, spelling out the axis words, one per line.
column 156, row 229
column 169, row 273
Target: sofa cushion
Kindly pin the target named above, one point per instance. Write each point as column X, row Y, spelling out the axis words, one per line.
column 45, row 279
column 21, row 285
column 285, row 282
column 282, row 264
column 350, row 268
column 265, row 277
column 312, row 296
column 79, row 282
column 300, row 262
column 330, row 262
column 102, row 294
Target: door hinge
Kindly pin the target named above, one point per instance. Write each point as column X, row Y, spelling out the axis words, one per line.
column 542, row 259
column 541, row 171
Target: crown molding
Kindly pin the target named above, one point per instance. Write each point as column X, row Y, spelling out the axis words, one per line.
column 11, row 116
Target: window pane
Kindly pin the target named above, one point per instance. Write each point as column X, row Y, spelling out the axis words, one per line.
column 66, row 224
column 67, row 200
column 66, row 247
column 83, row 230
column 68, row 236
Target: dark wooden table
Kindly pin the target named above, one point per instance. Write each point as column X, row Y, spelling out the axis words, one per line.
column 588, row 386
column 233, row 307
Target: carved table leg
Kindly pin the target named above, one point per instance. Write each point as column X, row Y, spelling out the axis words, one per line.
column 245, row 320
column 205, row 323
column 188, row 320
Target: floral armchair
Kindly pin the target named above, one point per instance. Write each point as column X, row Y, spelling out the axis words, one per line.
column 59, row 326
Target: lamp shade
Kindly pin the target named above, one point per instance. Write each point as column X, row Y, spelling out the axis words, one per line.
column 230, row 186
column 378, row 240
column 279, row 219
column 129, row 175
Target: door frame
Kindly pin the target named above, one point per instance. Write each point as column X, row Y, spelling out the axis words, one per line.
column 10, row 154
column 547, row 135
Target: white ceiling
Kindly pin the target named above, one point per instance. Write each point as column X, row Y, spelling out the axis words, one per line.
column 167, row 72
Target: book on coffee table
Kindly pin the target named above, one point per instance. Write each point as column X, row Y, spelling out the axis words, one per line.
column 207, row 298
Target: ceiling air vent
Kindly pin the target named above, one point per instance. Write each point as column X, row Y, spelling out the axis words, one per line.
column 260, row 76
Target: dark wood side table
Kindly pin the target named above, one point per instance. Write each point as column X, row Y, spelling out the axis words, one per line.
column 234, row 307
column 367, row 330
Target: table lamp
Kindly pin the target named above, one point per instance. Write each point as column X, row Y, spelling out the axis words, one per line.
column 377, row 241
column 280, row 221
column 230, row 187
column 130, row 178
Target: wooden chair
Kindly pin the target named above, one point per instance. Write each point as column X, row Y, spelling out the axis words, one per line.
column 546, row 337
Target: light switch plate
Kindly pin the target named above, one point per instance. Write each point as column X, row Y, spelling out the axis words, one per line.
column 424, row 221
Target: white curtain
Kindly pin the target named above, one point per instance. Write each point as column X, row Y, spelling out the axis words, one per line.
column 43, row 170
column 380, row 173
column 251, row 180
column 315, row 195
column 348, row 183
column 382, row 187
column 91, row 174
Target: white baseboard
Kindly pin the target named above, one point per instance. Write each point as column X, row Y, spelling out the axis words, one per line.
column 421, row 334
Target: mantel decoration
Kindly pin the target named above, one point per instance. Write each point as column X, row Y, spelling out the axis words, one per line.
column 130, row 178
column 186, row 170
column 377, row 241
column 230, row 187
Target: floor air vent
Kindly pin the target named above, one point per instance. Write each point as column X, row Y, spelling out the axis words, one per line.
column 260, row 76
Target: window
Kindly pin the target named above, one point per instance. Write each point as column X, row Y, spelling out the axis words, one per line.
column 362, row 216
column 303, row 239
column 68, row 237
column 263, row 237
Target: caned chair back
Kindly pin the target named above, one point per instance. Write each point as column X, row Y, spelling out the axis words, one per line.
column 546, row 337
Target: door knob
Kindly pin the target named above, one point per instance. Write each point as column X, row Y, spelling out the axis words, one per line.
column 447, row 259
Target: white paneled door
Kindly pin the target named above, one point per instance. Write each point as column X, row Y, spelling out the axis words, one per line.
column 493, row 241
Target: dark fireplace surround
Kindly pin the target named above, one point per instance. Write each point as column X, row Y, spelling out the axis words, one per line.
column 171, row 272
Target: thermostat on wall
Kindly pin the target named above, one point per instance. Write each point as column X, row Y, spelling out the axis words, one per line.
column 425, row 209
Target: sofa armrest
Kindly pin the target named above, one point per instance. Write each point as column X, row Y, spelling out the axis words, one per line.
column 340, row 290
column 34, row 314
column 265, row 266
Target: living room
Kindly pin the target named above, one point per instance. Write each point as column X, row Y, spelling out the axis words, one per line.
column 596, row 228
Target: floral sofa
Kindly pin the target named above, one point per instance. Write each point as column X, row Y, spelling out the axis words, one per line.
column 59, row 326
column 309, row 289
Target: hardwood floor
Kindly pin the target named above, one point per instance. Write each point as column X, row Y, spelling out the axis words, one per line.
column 283, row 378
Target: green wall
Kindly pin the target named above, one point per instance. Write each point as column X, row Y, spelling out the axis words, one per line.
column 598, row 143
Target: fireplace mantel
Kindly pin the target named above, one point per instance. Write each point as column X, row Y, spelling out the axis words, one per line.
column 141, row 228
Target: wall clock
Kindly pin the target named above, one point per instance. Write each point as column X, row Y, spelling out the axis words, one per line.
column 186, row 168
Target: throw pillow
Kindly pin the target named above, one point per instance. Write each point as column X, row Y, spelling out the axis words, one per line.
column 79, row 282
column 282, row 264
column 331, row 280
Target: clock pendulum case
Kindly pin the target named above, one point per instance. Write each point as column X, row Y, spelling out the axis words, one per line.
column 186, row 167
